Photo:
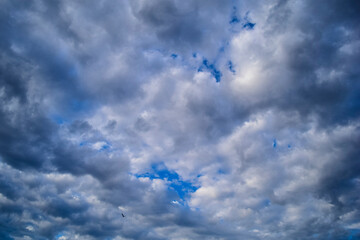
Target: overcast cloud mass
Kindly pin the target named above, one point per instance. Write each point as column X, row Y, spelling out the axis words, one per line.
column 217, row 119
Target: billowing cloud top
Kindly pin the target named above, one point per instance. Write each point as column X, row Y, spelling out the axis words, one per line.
column 169, row 119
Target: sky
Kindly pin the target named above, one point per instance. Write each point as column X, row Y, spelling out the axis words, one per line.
column 216, row 119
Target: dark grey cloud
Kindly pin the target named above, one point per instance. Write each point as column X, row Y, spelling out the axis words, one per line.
column 216, row 120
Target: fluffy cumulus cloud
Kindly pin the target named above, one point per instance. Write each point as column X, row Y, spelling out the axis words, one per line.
column 171, row 119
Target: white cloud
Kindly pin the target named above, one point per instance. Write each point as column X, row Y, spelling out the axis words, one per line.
column 113, row 108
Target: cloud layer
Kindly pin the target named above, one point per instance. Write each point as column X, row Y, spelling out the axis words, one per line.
column 195, row 119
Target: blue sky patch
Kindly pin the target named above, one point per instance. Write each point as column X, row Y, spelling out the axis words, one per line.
column 267, row 202
column 79, row 105
column 249, row 25
column 234, row 19
column 212, row 69
column 246, row 23
column 274, row 143
column 59, row 235
column 105, row 147
column 57, row 119
column 160, row 171
column 231, row 67
column 354, row 234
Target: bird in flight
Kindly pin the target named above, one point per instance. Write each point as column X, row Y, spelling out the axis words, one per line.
column 122, row 214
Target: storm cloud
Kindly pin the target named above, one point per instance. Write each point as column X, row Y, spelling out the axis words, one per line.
column 173, row 119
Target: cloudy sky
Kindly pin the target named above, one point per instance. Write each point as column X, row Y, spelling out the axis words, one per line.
column 216, row 119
